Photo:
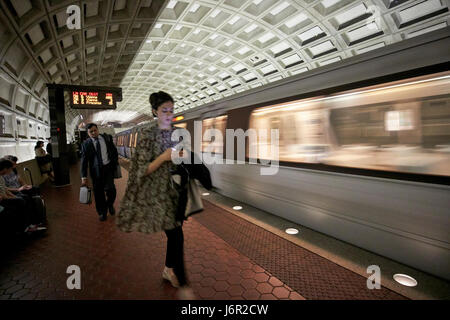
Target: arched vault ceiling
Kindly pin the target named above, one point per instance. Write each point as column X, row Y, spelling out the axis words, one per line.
column 201, row 51
column 37, row 47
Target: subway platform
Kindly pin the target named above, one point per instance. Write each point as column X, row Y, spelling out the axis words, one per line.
column 229, row 255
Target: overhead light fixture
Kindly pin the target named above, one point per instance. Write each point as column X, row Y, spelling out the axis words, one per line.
column 237, row 208
column 405, row 280
column 205, row 194
column 291, row 231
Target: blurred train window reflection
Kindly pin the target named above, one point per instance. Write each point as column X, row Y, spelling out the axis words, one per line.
column 2, row 125
column 402, row 126
column 214, row 144
column 135, row 139
column 181, row 125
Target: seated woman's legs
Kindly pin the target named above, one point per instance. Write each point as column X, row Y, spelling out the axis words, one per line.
column 19, row 212
column 34, row 206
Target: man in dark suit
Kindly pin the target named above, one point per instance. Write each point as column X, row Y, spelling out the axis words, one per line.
column 100, row 154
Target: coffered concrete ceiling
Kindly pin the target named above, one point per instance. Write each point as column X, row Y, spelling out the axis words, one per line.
column 198, row 51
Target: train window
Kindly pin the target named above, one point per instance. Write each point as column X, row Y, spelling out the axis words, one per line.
column 402, row 126
column 181, row 125
column 213, row 145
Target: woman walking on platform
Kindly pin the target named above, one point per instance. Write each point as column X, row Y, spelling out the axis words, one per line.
column 150, row 202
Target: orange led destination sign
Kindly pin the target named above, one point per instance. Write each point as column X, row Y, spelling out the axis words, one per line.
column 90, row 99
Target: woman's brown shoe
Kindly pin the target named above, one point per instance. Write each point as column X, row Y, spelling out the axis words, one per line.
column 170, row 276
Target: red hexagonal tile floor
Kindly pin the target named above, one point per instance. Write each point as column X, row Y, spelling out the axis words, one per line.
column 223, row 254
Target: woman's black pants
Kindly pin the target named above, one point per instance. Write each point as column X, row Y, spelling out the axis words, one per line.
column 175, row 253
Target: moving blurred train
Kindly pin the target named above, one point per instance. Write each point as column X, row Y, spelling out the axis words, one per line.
column 364, row 152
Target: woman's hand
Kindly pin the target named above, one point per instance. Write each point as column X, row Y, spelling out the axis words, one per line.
column 167, row 155
column 163, row 157
column 155, row 164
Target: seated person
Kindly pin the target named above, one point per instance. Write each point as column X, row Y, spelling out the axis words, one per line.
column 29, row 193
column 18, row 208
column 15, row 184
column 44, row 159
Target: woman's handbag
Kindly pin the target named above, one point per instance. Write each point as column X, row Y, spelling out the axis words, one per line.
column 190, row 200
column 194, row 199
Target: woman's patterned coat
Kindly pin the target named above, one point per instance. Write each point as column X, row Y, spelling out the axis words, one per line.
column 150, row 202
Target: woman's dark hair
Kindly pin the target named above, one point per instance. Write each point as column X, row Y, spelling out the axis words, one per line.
column 11, row 158
column 5, row 164
column 38, row 144
column 158, row 98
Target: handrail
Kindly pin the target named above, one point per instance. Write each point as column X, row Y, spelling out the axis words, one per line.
column 29, row 172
